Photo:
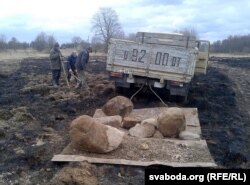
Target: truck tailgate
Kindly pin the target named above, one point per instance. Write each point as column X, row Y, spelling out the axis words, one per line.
column 151, row 60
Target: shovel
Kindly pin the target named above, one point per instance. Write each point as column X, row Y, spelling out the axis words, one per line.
column 64, row 72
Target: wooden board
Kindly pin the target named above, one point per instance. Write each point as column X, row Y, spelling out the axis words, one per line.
column 173, row 36
column 170, row 152
column 177, row 40
column 169, row 42
column 79, row 158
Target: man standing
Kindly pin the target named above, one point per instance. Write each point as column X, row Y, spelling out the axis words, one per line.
column 81, row 62
column 55, row 58
column 71, row 65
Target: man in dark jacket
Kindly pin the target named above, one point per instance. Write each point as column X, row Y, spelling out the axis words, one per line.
column 81, row 62
column 55, row 58
column 71, row 65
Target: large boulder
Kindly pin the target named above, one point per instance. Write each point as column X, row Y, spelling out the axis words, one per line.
column 171, row 122
column 142, row 131
column 118, row 105
column 88, row 135
column 114, row 121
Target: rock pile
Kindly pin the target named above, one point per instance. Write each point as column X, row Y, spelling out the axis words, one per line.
column 104, row 133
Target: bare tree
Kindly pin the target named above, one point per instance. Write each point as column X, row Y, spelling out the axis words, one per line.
column 43, row 41
column 40, row 42
column 3, row 42
column 76, row 41
column 189, row 32
column 106, row 24
column 51, row 41
column 13, row 43
column 97, row 44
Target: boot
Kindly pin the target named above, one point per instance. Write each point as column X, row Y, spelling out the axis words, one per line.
column 54, row 84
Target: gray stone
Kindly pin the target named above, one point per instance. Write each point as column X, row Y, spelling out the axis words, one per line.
column 186, row 135
column 150, row 121
column 158, row 135
column 114, row 121
column 142, row 131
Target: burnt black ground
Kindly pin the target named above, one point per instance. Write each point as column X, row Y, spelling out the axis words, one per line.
column 223, row 115
column 224, row 125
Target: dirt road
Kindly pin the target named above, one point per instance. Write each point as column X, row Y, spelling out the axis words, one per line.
column 34, row 118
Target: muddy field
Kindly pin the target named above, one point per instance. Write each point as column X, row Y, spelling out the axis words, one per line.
column 34, row 120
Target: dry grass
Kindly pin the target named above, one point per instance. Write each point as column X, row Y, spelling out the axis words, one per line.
column 10, row 59
column 8, row 66
column 21, row 54
column 31, row 53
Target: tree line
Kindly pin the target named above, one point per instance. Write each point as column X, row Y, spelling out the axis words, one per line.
column 105, row 25
column 232, row 44
column 42, row 42
column 13, row 43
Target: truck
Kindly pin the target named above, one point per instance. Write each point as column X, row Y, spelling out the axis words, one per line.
column 166, row 61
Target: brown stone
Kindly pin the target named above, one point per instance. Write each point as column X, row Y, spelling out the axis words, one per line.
column 129, row 122
column 150, row 121
column 88, row 135
column 114, row 121
column 171, row 122
column 158, row 135
column 118, row 105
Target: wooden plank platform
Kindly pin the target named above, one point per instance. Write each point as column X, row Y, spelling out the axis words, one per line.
column 79, row 158
column 149, row 151
column 132, row 151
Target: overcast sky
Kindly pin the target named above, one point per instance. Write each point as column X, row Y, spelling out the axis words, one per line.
column 212, row 19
